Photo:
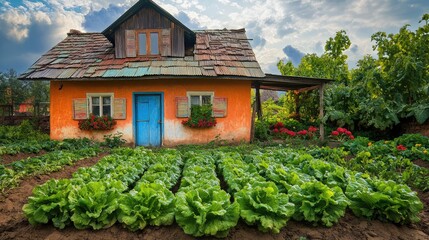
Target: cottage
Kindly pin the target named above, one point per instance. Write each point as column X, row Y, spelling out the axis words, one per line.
column 147, row 70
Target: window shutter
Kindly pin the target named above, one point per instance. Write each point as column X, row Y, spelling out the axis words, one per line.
column 119, row 108
column 166, row 42
column 80, row 108
column 182, row 110
column 220, row 106
column 130, row 43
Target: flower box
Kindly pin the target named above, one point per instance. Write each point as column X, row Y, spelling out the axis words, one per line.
column 97, row 123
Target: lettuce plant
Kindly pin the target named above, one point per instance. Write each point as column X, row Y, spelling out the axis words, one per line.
column 146, row 204
column 317, row 203
column 202, row 212
column 94, row 204
column 263, row 205
column 49, row 202
column 385, row 200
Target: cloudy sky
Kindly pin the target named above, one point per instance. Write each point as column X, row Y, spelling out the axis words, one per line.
column 280, row 29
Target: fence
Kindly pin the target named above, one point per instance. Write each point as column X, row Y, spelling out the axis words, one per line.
column 37, row 113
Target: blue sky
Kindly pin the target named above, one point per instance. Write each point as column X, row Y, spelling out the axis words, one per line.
column 280, row 29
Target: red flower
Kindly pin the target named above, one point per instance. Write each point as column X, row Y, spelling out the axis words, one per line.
column 341, row 130
column 335, row 133
column 312, row 129
column 352, row 137
column 279, row 125
column 290, row 133
column 348, row 133
column 302, row 132
column 401, row 147
column 275, row 130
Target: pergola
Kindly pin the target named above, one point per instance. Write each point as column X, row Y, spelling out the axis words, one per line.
column 287, row 83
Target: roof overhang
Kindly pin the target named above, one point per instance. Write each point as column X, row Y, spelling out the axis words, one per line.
column 109, row 31
column 284, row 83
column 269, row 82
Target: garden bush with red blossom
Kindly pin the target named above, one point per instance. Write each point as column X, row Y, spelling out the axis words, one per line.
column 280, row 130
column 97, row 123
column 341, row 135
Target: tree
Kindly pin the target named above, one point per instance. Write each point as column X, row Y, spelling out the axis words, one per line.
column 330, row 65
column 14, row 91
column 404, row 61
column 18, row 89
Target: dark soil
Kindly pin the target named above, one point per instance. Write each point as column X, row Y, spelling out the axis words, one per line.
column 13, row 224
column 422, row 163
column 6, row 159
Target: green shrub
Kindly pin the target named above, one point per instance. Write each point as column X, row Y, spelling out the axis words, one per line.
column 113, row 140
column 262, row 130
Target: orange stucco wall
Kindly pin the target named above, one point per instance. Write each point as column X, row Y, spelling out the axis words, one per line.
column 234, row 127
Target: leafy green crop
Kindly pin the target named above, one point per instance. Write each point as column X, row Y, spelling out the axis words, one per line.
column 94, row 204
column 317, row 203
column 263, row 205
column 384, row 200
column 202, row 208
column 206, row 212
column 148, row 203
column 50, row 162
column 49, row 202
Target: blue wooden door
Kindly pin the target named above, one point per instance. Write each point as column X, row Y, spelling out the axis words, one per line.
column 148, row 120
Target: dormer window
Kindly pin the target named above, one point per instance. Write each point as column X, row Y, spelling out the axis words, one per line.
column 148, row 42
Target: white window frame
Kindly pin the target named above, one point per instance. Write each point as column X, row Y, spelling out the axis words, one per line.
column 200, row 93
column 89, row 97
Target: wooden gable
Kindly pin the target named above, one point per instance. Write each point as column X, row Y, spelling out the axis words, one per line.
column 172, row 39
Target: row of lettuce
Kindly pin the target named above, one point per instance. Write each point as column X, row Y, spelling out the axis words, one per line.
column 65, row 153
column 265, row 187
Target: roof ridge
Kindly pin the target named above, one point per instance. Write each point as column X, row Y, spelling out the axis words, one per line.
column 221, row 30
column 77, row 32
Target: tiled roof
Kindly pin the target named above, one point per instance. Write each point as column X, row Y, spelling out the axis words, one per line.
column 91, row 56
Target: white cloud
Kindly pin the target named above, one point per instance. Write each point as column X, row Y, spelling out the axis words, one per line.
column 16, row 22
column 274, row 24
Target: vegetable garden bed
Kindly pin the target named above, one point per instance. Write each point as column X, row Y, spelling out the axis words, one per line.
column 265, row 193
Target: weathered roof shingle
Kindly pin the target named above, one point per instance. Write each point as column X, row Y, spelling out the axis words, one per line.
column 91, row 55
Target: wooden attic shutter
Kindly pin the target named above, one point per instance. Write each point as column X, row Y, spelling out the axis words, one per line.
column 80, row 108
column 130, row 43
column 220, row 106
column 166, row 42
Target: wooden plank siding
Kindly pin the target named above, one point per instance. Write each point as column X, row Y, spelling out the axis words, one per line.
column 148, row 18
column 178, row 41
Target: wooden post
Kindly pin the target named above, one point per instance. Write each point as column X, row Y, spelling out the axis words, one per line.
column 258, row 103
column 252, row 126
column 296, row 93
column 321, row 114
